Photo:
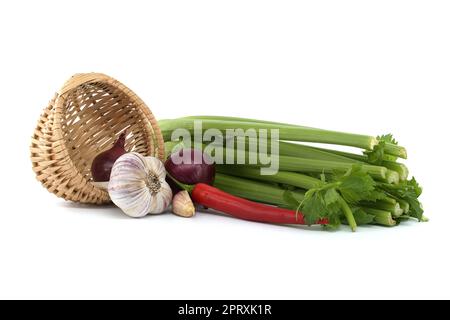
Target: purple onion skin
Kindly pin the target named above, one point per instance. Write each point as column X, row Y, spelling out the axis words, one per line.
column 190, row 173
column 103, row 162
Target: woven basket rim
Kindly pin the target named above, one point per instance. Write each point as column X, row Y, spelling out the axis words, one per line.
column 85, row 78
column 152, row 132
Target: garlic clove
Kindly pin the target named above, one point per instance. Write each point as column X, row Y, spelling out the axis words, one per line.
column 157, row 167
column 182, row 205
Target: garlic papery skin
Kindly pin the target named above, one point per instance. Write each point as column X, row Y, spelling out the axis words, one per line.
column 138, row 185
column 182, row 205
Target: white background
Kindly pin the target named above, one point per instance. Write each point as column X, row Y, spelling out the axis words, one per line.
column 361, row 66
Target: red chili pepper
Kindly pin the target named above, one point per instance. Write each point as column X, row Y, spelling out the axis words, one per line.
column 219, row 200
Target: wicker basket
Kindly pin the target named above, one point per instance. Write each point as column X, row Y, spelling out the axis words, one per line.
column 83, row 119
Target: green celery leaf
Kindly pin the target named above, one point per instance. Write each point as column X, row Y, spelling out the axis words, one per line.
column 375, row 195
column 415, row 208
column 362, row 217
column 322, row 203
column 388, row 138
column 376, row 156
column 313, row 206
column 325, row 201
column 331, row 198
column 404, row 189
column 356, row 185
column 409, row 191
column 414, row 185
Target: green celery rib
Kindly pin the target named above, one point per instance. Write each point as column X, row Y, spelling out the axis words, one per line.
column 357, row 157
column 390, row 148
column 286, row 132
column 307, row 152
column 390, row 200
column 394, row 209
column 297, row 150
column 302, row 151
column 404, row 205
column 296, row 164
column 237, row 119
column 389, row 157
column 395, row 150
column 400, row 168
column 347, row 155
column 392, row 177
column 290, row 178
column 382, row 217
column 348, row 214
column 322, row 166
column 254, row 190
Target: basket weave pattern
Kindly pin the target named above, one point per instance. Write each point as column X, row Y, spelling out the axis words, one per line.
column 83, row 119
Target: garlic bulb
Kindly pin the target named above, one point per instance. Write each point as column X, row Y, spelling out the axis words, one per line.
column 138, row 185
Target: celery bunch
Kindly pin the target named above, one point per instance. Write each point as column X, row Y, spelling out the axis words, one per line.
column 355, row 189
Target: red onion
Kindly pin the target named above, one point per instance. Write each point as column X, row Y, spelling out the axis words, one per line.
column 103, row 162
column 196, row 167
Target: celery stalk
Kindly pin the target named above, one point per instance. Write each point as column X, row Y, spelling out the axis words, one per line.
column 394, row 209
column 290, row 178
column 396, row 150
column 348, row 155
column 400, row 168
column 404, row 205
column 237, row 119
column 382, row 217
column 286, row 132
column 357, row 157
column 303, row 151
column 295, row 164
column 254, row 190
column 348, row 214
